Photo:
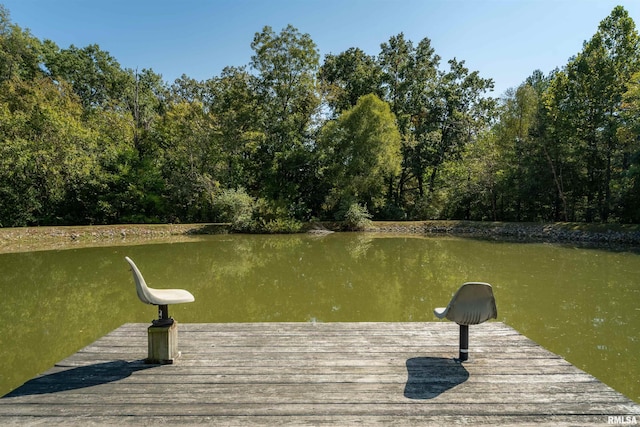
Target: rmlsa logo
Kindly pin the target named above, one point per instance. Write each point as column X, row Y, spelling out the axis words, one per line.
column 622, row 420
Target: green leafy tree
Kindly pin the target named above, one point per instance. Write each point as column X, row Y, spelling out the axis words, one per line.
column 596, row 82
column 96, row 76
column 192, row 160
column 348, row 76
column 471, row 188
column 145, row 97
column 286, row 65
column 519, row 161
column 629, row 136
column 20, row 52
column 234, row 104
column 410, row 78
column 454, row 114
column 396, row 61
column 45, row 147
column 361, row 153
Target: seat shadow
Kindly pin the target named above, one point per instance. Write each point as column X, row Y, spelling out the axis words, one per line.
column 80, row 377
column 429, row 377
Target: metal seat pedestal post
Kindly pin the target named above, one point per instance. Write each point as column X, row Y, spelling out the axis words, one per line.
column 163, row 317
column 464, row 343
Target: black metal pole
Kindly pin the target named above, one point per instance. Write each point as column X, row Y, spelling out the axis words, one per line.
column 163, row 316
column 464, row 342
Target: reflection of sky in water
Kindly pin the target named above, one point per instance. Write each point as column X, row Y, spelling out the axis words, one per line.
column 580, row 303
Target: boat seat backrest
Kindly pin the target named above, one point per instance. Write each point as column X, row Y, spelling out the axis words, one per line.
column 474, row 303
column 141, row 286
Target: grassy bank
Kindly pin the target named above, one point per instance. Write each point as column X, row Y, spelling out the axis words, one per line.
column 42, row 238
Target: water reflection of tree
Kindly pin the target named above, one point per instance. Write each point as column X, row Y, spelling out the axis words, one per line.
column 359, row 245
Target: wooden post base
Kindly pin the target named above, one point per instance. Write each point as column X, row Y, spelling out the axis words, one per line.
column 163, row 344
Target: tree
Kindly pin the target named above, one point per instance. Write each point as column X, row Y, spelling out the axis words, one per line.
column 84, row 141
column 145, row 96
column 348, row 76
column 286, row 66
column 19, row 51
column 237, row 110
column 361, row 153
column 455, row 113
column 597, row 80
column 629, row 136
column 396, row 61
column 96, row 77
column 192, row 159
column 45, row 149
column 518, row 157
column 409, row 76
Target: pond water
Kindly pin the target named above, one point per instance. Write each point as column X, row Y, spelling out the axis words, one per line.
column 583, row 304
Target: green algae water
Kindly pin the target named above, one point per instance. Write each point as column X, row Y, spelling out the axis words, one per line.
column 583, row 304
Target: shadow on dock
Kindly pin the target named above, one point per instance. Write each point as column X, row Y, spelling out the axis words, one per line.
column 80, row 377
column 429, row 377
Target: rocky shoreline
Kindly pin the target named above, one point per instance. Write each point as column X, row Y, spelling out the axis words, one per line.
column 523, row 232
column 43, row 238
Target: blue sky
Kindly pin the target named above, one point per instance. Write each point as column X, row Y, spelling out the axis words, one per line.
column 503, row 39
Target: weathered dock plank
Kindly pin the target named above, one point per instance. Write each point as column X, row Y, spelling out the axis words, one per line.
column 315, row 374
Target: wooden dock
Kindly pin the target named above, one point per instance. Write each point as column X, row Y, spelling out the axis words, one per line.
column 318, row 374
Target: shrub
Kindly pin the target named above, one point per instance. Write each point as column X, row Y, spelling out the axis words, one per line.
column 281, row 225
column 249, row 215
column 273, row 217
column 235, row 207
column 357, row 217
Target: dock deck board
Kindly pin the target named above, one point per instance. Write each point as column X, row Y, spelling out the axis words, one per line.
column 315, row 374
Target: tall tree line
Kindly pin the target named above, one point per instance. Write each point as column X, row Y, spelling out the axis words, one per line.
column 291, row 136
column 566, row 145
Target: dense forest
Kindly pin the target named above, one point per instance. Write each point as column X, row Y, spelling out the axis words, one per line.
column 291, row 137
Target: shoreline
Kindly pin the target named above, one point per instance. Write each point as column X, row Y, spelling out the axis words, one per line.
column 576, row 233
column 25, row 239
column 608, row 236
